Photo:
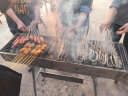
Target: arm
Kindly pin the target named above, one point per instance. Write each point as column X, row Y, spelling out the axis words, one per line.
column 108, row 21
column 111, row 15
column 82, row 18
column 37, row 13
column 19, row 23
column 54, row 9
column 37, row 16
column 85, row 9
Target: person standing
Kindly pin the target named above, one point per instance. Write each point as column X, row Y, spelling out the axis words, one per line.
column 23, row 12
column 117, row 17
column 72, row 18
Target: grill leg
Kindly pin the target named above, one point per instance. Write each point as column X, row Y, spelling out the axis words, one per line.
column 38, row 74
column 34, row 83
column 95, row 85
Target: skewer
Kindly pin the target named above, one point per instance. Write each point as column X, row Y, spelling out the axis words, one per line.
column 25, row 58
column 30, row 61
column 22, row 64
column 17, row 56
column 17, row 61
column 21, row 58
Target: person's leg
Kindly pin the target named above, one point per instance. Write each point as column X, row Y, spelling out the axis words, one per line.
column 114, row 28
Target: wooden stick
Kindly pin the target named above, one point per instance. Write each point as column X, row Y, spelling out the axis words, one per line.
column 16, row 67
column 16, row 57
column 21, row 58
column 27, row 57
column 24, row 62
column 15, row 61
column 28, row 63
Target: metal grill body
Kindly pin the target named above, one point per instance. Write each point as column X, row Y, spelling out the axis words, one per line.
column 84, row 68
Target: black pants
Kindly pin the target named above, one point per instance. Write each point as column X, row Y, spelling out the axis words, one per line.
column 9, row 82
column 116, row 37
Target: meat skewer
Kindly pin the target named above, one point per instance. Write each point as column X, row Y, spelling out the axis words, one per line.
column 24, row 61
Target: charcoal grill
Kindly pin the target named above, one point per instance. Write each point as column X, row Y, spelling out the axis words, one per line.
column 87, row 68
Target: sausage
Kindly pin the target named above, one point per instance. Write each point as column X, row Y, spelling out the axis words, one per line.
column 34, row 38
column 16, row 43
column 38, row 39
column 24, row 40
column 16, row 40
column 21, row 40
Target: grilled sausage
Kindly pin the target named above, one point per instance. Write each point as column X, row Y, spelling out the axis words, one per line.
column 38, row 39
column 16, row 40
column 21, row 40
column 25, row 39
column 34, row 38
column 16, row 43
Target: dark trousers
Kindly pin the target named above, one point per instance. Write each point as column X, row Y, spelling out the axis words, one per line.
column 10, row 82
column 116, row 37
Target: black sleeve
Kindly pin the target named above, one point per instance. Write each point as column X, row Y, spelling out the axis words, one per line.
column 4, row 5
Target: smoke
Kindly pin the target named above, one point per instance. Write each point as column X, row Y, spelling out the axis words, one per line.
column 71, row 40
column 76, row 44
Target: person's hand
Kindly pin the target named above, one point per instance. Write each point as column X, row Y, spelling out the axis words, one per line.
column 21, row 26
column 105, row 25
column 123, row 29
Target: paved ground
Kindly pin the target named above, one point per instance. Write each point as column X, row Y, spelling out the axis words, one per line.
column 52, row 87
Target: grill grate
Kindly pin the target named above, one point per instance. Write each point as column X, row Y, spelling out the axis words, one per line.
column 119, row 48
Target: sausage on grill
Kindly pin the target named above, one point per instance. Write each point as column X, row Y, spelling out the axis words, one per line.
column 16, row 41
